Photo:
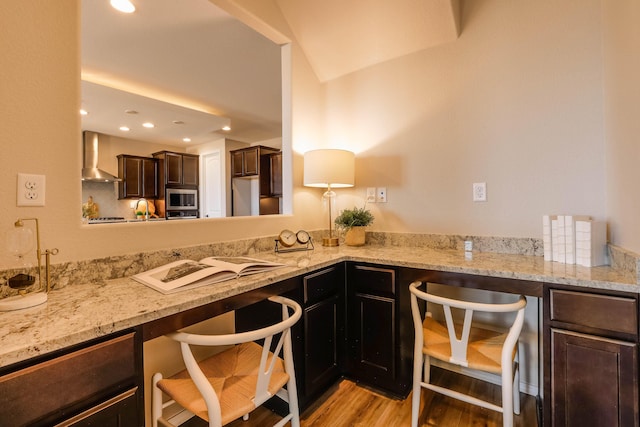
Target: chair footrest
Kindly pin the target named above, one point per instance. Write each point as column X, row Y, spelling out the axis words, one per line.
column 461, row 396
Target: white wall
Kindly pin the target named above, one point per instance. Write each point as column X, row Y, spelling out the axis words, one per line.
column 516, row 102
column 622, row 113
column 40, row 87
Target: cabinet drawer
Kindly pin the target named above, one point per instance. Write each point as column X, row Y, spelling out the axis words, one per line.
column 322, row 284
column 48, row 389
column 604, row 312
column 375, row 280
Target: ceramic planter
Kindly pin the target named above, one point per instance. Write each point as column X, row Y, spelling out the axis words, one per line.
column 355, row 236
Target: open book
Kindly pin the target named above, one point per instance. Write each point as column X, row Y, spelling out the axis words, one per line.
column 186, row 274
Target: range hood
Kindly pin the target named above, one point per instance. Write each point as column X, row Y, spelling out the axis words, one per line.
column 90, row 171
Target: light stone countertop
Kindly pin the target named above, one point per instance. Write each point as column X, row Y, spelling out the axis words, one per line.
column 83, row 311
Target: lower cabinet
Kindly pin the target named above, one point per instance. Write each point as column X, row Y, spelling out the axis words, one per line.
column 94, row 384
column 318, row 338
column 592, row 358
column 376, row 353
column 323, row 321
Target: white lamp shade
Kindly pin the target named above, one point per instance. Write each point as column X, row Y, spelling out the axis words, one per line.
column 329, row 167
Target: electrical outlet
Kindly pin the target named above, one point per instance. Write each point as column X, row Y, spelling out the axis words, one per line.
column 381, row 195
column 468, row 245
column 30, row 191
column 371, row 194
column 479, row 191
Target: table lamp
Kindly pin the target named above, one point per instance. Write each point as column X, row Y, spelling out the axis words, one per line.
column 329, row 168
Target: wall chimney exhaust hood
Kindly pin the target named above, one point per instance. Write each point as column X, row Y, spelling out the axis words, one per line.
column 90, row 171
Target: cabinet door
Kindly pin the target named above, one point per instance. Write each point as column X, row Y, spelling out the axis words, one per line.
column 129, row 171
column 190, row 170
column 323, row 328
column 237, row 168
column 250, row 161
column 78, row 381
column 372, row 330
column 276, row 174
column 149, row 178
column 121, row 411
column 321, row 344
column 173, row 168
column 593, row 381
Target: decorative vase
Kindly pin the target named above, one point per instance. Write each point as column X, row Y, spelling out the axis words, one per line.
column 355, row 236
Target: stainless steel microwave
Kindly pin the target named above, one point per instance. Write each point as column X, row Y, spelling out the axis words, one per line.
column 180, row 199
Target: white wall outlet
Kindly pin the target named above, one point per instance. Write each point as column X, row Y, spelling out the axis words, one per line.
column 468, row 245
column 479, row 191
column 381, row 195
column 371, row 194
column 31, row 190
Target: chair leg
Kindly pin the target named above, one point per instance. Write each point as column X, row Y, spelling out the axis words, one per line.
column 507, row 396
column 156, row 400
column 294, row 410
column 418, row 365
column 427, row 369
column 516, row 385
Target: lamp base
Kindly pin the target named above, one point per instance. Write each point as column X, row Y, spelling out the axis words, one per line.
column 330, row 241
column 19, row 302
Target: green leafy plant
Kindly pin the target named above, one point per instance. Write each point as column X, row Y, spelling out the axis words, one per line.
column 356, row 217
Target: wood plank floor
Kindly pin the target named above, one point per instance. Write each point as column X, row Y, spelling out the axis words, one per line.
column 349, row 405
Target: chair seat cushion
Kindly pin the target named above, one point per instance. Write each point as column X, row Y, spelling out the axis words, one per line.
column 484, row 350
column 233, row 375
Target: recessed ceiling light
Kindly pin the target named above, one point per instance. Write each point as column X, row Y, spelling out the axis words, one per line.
column 148, row 125
column 124, row 6
column 124, row 128
column 186, row 139
column 83, row 112
column 226, row 128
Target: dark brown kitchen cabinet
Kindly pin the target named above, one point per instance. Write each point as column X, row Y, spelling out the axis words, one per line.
column 591, row 363
column 324, row 329
column 275, row 174
column 245, row 162
column 190, row 170
column 178, row 169
column 318, row 338
column 96, row 383
column 251, row 161
column 374, row 344
column 139, row 177
column 262, row 163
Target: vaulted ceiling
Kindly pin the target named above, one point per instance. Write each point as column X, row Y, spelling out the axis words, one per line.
column 339, row 37
column 193, row 54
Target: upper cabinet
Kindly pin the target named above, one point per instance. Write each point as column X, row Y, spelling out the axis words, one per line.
column 178, row 169
column 247, row 162
column 139, row 177
column 275, row 182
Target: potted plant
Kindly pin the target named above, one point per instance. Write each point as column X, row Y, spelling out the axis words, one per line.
column 352, row 222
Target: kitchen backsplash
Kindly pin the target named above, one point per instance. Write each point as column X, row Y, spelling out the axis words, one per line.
column 105, row 195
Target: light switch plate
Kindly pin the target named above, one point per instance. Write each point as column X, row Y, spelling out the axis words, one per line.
column 479, row 191
column 371, row 194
